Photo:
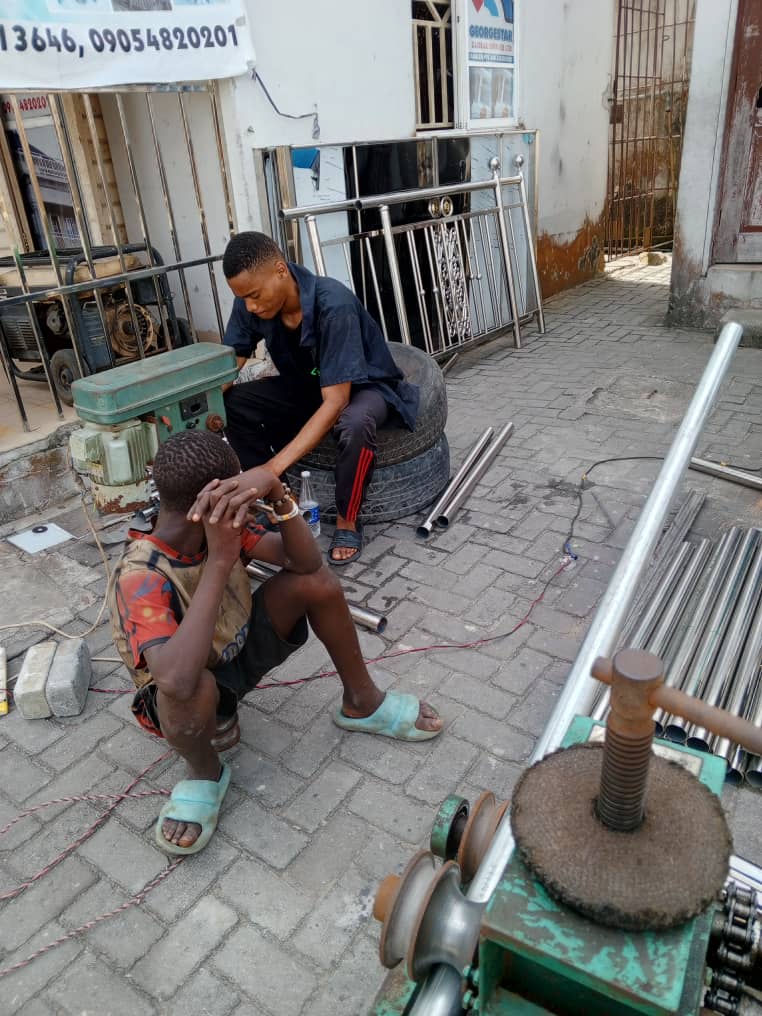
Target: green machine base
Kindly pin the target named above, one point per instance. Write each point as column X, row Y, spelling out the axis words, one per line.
column 537, row 956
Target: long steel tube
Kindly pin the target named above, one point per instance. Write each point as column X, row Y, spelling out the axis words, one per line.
column 658, row 604
column 394, row 272
column 677, row 669
column 727, row 473
column 395, row 198
column 698, row 682
column 360, row 615
column 428, row 524
column 506, row 247
column 664, row 630
column 464, row 491
column 754, row 768
column 743, row 696
column 664, row 594
column 532, row 255
column 440, row 995
column 720, row 683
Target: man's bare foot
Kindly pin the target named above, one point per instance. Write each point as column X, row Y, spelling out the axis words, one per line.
column 182, row 834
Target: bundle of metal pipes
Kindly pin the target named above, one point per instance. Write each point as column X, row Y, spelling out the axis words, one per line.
column 701, row 612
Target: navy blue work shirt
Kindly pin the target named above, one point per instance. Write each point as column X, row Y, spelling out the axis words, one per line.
column 343, row 341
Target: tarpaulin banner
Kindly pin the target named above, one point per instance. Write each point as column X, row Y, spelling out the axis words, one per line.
column 67, row 44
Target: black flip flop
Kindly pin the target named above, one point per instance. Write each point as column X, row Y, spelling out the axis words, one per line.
column 346, row 538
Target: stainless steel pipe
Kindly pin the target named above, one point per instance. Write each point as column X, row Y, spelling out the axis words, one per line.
column 659, row 600
column 664, row 596
column 746, row 479
column 664, row 630
column 441, row 994
column 725, row 664
column 744, row 697
column 678, row 667
column 360, row 615
column 428, row 524
column 698, row 681
column 464, row 491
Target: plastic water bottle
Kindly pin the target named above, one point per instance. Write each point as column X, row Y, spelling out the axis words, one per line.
column 309, row 506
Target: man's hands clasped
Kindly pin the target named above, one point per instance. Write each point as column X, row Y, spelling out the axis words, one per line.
column 223, row 505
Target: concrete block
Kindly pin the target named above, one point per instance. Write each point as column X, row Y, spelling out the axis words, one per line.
column 69, row 678
column 29, row 692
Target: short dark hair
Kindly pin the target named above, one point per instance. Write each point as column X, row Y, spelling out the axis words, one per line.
column 249, row 251
column 187, row 462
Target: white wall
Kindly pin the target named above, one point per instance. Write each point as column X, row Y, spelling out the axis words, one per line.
column 565, row 56
column 702, row 147
column 351, row 61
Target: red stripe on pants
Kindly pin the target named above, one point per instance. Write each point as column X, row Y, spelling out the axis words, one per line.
column 366, row 458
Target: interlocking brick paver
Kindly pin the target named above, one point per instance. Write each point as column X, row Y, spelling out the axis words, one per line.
column 316, row 817
column 204, row 994
column 313, row 806
column 330, row 852
column 173, row 959
column 264, row 834
column 336, row 919
column 128, row 859
column 25, row 915
column 23, row 985
column 383, row 806
column 266, row 972
column 124, row 938
column 267, row 899
column 87, row 980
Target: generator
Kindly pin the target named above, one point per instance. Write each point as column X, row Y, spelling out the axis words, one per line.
column 615, row 900
column 128, row 410
column 102, row 340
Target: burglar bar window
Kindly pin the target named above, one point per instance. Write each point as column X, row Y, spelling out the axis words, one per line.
column 433, row 63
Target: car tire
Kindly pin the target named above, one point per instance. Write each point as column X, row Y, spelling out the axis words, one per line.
column 396, row 443
column 397, row 490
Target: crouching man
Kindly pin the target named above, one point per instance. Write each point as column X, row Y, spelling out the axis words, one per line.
column 195, row 639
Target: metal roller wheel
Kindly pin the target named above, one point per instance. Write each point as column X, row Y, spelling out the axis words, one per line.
column 478, row 832
column 448, row 827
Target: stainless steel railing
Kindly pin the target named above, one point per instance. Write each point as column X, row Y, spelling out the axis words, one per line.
column 471, row 275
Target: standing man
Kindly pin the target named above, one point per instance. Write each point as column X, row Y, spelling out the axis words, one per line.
column 336, row 373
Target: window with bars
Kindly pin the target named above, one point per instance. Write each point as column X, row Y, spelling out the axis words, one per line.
column 433, row 63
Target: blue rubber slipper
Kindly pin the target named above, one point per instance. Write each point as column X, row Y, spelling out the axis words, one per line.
column 196, row 801
column 395, row 717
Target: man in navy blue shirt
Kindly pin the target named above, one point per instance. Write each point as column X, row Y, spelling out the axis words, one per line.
column 335, row 374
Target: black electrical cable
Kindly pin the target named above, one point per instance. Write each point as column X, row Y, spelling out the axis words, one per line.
column 287, row 116
column 580, row 490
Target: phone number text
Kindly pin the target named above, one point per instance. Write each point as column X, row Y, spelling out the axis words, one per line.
column 106, row 40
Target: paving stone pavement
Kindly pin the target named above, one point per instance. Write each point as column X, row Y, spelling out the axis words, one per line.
column 274, row 918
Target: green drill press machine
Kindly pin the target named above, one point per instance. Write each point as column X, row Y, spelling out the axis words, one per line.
column 615, row 900
column 129, row 410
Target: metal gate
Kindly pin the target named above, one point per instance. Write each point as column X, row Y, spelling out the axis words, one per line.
column 652, row 60
column 113, row 225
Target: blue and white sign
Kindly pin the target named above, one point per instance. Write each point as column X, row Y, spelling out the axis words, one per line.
column 56, row 45
column 490, row 32
column 491, row 48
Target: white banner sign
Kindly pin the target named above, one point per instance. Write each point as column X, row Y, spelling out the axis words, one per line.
column 85, row 44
